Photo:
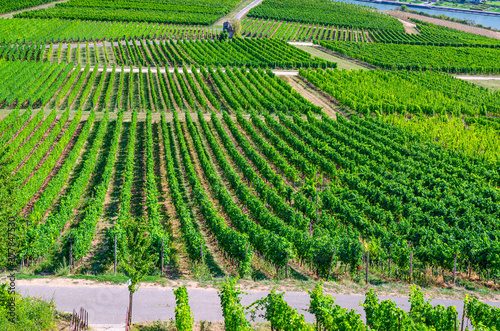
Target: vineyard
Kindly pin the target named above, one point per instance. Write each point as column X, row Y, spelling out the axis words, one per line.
column 242, row 53
column 434, row 35
column 251, row 183
column 465, row 60
column 138, row 138
column 384, row 92
column 477, row 137
column 157, row 89
column 294, row 31
column 325, row 12
column 56, row 30
column 172, row 11
column 9, row 6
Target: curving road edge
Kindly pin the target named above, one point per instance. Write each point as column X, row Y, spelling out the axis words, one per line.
column 245, row 10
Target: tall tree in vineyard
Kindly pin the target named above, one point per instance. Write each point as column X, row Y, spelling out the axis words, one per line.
column 135, row 257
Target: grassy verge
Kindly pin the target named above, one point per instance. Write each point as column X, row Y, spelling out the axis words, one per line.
column 341, row 63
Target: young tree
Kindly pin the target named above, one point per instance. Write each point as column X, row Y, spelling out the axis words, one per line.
column 236, row 28
column 136, row 258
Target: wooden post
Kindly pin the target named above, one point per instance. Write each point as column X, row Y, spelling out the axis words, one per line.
column 310, row 229
column 331, row 264
column 317, row 211
column 455, row 269
column 201, row 251
column 463, row 319
column 411, row 264
column 161, row 253
column 390, row 260
column 70, row 252
column 116, row 261
column 367, row 265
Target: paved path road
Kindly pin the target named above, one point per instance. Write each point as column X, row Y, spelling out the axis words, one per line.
column 245, row 10
column 107, row 304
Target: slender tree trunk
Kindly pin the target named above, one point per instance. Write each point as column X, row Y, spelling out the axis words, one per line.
column 131, row 294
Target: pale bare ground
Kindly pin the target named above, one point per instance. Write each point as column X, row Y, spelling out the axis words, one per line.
column 311, row 95
column 44, row 6
column 488, row 83
column 319, row 52
column 410, row 28
column 453, row 25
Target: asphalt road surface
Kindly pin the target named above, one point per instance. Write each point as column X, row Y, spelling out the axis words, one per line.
column 245, row 10
column 107, row 304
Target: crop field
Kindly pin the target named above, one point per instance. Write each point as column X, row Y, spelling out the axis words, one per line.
column 386, row 92
column 326, row 12
column 474, row 136
column 271, row 53
column 467, row 60
column 171, row 11
column 9, row 6
column 434, row 35
column 240, row 189
column 293, row 31
column 56, row 30
column 61, row 86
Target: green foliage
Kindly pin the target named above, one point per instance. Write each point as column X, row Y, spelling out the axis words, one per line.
column 466, row 60
column 474, row 139
column 330, row 316
column 440, row 317
column 136, row 258
column 382, row 92
column 295, row 31
column 237, row 88
column 30, row 313
column 223, row 36
column 325, row 12
column 9, row 6
column 281, row 316
column 436, row 35
column 172, row 11
column 232, row 310
column 235, row 244
column 183, row 316
column 482, row 315
column 386, row 315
